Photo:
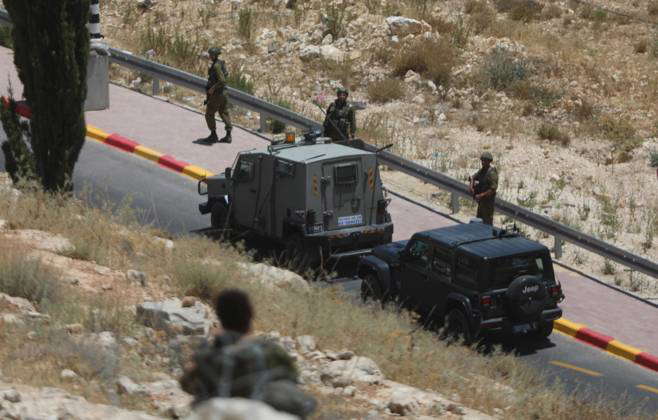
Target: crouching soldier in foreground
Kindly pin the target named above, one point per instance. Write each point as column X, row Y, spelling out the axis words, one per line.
column 238, row 366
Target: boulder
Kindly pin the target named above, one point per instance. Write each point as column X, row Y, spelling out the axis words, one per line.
column 42, row 240
column 306, row 343
column 341, row 373
column 170, row 315
column 237, row 409
column 329, row 52
column 309, row 52
column 273, row 276
column 401, row 26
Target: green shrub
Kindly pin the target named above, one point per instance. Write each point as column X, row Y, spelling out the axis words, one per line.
column 482, row 16
column 584, row 110
column 553, row 133
column 653, row 158
column 525, row 10
column 386, row 90
column 335, row 19
column 539, row 95
column 501, row 69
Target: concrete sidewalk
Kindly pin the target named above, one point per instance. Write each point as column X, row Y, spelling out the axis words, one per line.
column 171, row 129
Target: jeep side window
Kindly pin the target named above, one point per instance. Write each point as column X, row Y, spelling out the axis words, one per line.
column 507, row 269
column 442, row 265
column 419, row 253
column 466, row 272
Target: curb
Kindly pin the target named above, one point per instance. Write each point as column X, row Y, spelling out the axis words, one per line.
column 127, row 145
column 607, row 343
column 573, row 329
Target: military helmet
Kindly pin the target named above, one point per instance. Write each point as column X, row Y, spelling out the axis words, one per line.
column 342, row 90
column 214, row 51
column 486, row 156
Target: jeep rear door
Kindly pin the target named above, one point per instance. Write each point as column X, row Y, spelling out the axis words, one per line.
column 414, row 275
column 342, row 192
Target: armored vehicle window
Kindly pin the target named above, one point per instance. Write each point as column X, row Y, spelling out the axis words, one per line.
column 419, row 253
column 507, row 269
column 285, row 168
column 245, row 170
column 345, row 174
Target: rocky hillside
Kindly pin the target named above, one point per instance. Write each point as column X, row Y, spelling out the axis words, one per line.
column 563, row 93
column 99, row 317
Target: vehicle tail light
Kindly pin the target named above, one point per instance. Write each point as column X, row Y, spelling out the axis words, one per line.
column 486, row 301
column 555, row 291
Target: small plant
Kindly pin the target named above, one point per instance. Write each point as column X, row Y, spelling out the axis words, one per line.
column 652, row 7
column 653, row 158
column 608, row 267
column 386, row 90
column 238, row 80
column 552, row 12
column 584, row 110
column 530, row 201
column 277, row 126
column 641, row 46
column 579, row 258
column 584, row 211
column 553, row 133
column 246, row 19
column 335, row 19
column 434, row 59
column 501, row 69
column 28, row 278
column 6, row 39
column 525, row 10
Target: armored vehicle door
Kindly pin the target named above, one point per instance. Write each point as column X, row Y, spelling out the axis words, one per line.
column 416, row 265
column 245, row 189
column 342, row 194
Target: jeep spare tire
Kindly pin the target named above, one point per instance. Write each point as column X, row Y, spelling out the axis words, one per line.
column 526, row 296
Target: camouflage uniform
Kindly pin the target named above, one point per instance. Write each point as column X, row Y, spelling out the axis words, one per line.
column 217, row 102
column 248, row 368
column 485, row 180
column 340, row 122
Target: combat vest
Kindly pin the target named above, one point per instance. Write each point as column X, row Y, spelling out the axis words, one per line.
column 213, row 77
column 339, row 118
column 483, row 182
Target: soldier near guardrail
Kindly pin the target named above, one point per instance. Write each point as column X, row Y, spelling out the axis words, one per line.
column 216, row 97
column 483, row 186
column 340, row 119
column 235, row 365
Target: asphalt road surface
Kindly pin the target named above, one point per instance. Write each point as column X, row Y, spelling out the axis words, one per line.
column 169, row 201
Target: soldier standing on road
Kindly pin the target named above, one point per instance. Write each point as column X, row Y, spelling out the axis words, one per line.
column 237, row 366
column 483, row 186
column 340, row 119
column 216, row 97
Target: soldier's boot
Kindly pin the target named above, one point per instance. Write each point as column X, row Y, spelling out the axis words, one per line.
column 227, row 138
column 212, row 138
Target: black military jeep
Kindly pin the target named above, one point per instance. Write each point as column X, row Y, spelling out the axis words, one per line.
column 470, row 279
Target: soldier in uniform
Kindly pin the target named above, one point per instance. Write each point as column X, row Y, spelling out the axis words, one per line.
column 238, row 366
column 217, row 99
column 340, row 120
column 483, row 186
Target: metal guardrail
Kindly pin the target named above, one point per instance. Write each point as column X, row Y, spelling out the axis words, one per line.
column 560, row 232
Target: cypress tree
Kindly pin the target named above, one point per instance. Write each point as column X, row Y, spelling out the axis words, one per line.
column 51, row 48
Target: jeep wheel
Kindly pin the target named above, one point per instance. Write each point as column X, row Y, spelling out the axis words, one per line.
column 544, row 329
column 219, row 215
column 370, row 288
column 526, row 297
column 456, row 327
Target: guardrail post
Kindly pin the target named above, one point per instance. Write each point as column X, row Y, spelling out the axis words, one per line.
column 557, row 247
column 454, row 203
column 263, row 123
column 156, row 87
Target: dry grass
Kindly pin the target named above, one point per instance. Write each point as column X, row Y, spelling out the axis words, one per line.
column 553, row 133
column 392, row 339
column 386, row 90
column 433, row 59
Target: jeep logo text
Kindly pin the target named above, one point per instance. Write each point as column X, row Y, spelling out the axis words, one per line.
column 530, row 289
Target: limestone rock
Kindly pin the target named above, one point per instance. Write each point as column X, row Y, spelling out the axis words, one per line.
column 358, row 369
column 306, row 343
column 237, row 409
column 309, row 52
column 170, row 315
column 42, row 240
column 274, row 276
column 329, row 52
column 401, row 26
column 68, row 375
column 10, row 395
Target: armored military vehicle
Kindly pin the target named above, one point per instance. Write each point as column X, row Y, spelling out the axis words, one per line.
column 316, row 200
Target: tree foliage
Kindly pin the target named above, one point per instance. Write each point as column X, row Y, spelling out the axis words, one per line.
column 51, row 49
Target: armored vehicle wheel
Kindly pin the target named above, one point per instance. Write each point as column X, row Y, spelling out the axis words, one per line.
column 526, row 296
column 456, row 327
column 370, row 288
column 219, row 216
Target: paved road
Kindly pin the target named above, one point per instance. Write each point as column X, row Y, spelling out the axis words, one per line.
column 169, row 201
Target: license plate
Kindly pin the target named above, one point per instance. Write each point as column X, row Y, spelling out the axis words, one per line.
column 521, row 328
column 355, row 219
column 317, row 228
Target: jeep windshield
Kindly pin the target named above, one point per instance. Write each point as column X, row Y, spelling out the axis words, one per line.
column 504, row 270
